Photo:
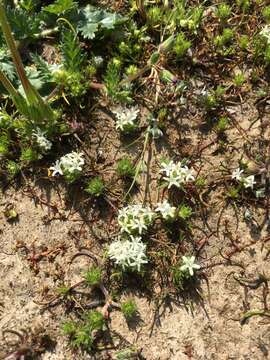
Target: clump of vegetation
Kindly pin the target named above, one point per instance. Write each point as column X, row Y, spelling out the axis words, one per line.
column 125, row 168
column 75, row 78
column 81, row 334
column 181, row 45
column 93, row 276
column 95, row 187
column 223, row 11
column 129, row 309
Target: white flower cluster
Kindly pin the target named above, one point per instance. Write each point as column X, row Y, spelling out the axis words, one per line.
column 189, row 265
column 135, row 218
column 167, row 211
column 41, row 139
column 70, row 163
column 265, row 32
column 176, row 174
column 247, row 181
column 125, row 118
column 128, row 253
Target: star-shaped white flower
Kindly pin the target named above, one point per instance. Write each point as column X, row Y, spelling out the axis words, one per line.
column 56, row 168
column 41, row 139
column 189, row 265
column 125, row 118
column 128, row 253
column 237, row 174
column 249, row 181
column 167, row 167
column 167, row 211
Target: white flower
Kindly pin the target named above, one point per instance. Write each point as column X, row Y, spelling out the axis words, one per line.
column 237, row 174
column 41, row 139
column 167, row 167
column 71, row 163
column 135, row 218
column 249, row 182
column 56, row 168
column 55, row 68
column 265, row 32
column 176, row 173
column 128, row 253
column 167, row 211
column 189, row 265
column 125, row 118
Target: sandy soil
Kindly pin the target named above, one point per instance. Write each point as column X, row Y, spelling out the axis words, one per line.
column 36, row 249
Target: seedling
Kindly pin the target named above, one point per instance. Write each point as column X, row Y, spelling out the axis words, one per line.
column 223, row 11
column 244, row 42
column 129, row 309
column 184, row 212
column 239, row 79
column 95, row 187
column 93, row 276
column 222, row 124
column 244, row 5
column 125, row 168
column 181, row 45
column 81, row 334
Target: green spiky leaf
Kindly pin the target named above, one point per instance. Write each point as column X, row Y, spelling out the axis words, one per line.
column 24, row 26
column 71, row 51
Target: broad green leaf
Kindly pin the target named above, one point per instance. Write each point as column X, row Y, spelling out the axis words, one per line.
column 60, row 6
column 109, row 21
column 88, row 30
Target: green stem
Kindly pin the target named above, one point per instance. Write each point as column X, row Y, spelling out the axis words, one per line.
column 33, row 107
column 14, row 52
column 139, row 166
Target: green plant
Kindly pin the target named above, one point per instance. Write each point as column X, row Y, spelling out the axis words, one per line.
column 225, row 38
column 178, row 277
column 222, row 124
column 126, row 354
column 29, row 154
column 184, row 212
column 266, row 13
column 12, row 168
column 94, row 320
column 233, row 193
column 69, row 328
column 181, row 45
column 93, row 276
column 125, row 168
column 244, row 5
column 112, row 80
column 32, row 106
column 212, row 100
column 81, row 333
column 239, row 79
column 154, row 15
column 4, row 144
column 244, row 42
column 129, row 309
column 95, row 187
column 223, row 11
column 94, row 20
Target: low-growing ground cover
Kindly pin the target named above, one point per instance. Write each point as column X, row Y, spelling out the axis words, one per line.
column 134, row 174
